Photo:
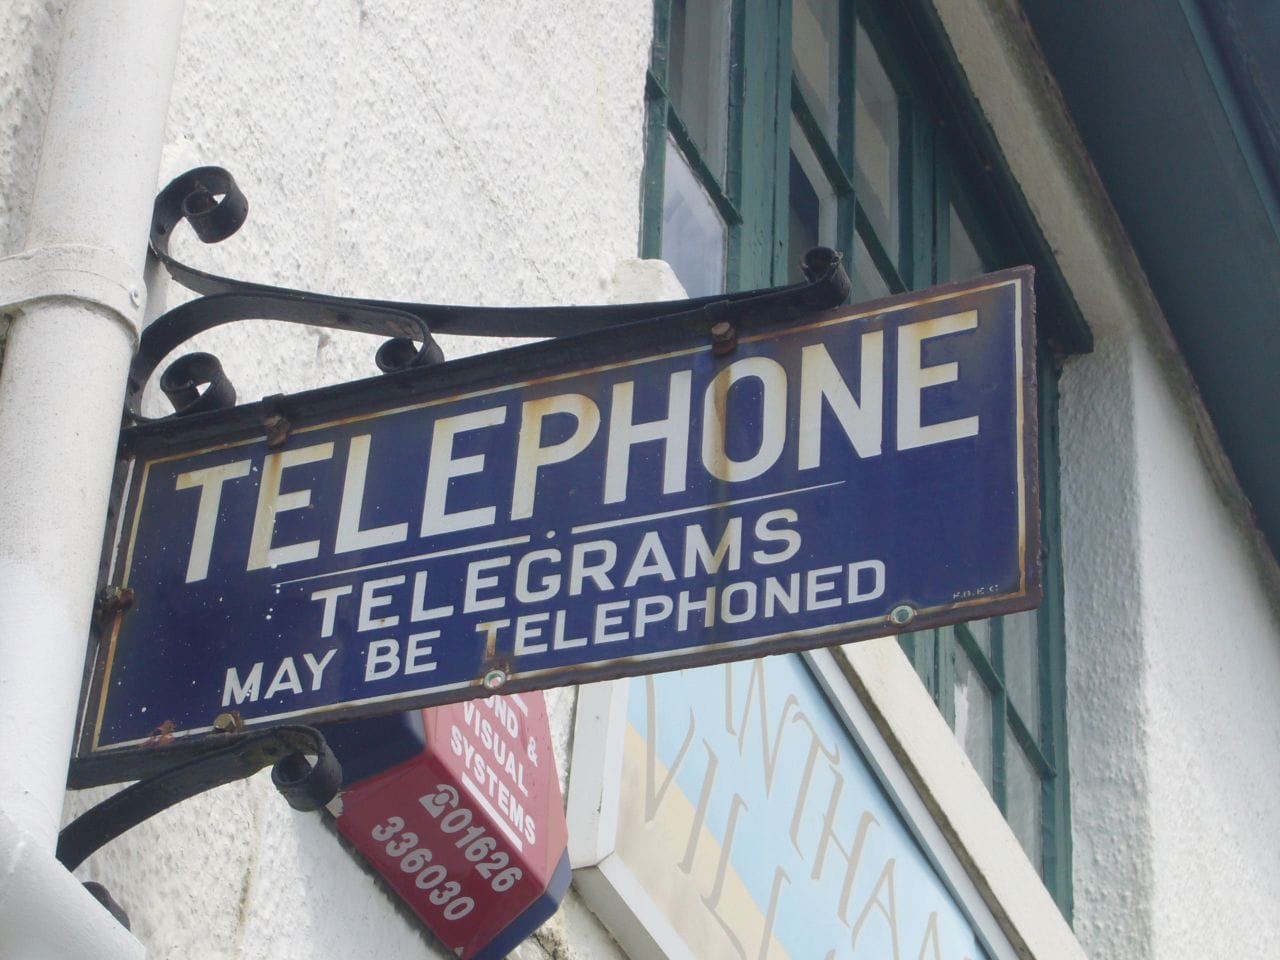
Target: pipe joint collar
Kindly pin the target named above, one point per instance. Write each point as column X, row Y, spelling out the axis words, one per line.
column 71, row 272
column 46, row 912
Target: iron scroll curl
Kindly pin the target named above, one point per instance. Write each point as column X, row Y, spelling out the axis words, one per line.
column 306, row 785
column 210, row 201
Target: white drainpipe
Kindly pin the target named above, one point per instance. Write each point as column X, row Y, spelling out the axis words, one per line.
column 76, row 293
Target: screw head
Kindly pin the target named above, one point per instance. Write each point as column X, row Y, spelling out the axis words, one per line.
column 277, row 430
column 902, row 614
column 494, row 679
column 112, row 599
column 723, row 338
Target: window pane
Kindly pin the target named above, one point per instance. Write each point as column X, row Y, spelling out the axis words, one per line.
column 811, row 204
column 698, row 75
column 963, row 258
column 876, row 142
column 693, row 232
column 973, row 715
column 803, row 220
column 1024, row 799
column 1022, row 666
column 867, row 282
column 815, row 52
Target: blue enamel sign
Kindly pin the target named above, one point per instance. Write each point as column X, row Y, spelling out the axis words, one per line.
column 611, row 504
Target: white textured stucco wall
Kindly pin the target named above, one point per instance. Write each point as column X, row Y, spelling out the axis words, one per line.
column 457, row 153
column 1105, row 654
column 1212, row 701
column 1173, row 671
column 490, row 153
column 453, row 153
column 30, row 34
column 1173, row 638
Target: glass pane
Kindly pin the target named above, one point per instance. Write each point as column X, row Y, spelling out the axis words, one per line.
column 1024, row 799
column 876, row 142
column 693, row 232
column 815, row 52
column 867, row 282
column 973, row 716
column 698, row 75
column 802, row 222
column 1022, row 666
column 811, row 204
column 963, row 258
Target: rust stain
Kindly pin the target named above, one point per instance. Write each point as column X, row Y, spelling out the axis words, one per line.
column 111, row 602
column 161, row 735
column 724, row 338
column 716, row 454
column 228, row 722
column 277, row 430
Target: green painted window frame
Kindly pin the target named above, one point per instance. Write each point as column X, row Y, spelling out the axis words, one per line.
column 662, row 120
column 939, row 164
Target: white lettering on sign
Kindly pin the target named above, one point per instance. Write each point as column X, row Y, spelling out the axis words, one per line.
column 272, row 501
column 479, row 848
column 371, row 599
column 672, row 432
column 531, row 455
column 350, row 535
column 862, row 419
column 285, row 678
column 669, row 565
column 495, row 749
column 763, row 599
column 771, row 413
column 209, row 481
column 443, row 467
column 329, row 598
column 386, row 658
column 756, row 389
column 914, row 377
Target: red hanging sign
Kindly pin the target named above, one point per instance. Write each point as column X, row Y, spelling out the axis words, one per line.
column 470, row 832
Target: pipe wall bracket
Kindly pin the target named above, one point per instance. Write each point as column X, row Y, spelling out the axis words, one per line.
column 73, row 272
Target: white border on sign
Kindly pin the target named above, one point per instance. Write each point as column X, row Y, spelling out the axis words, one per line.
column 908, row 802
column 612, row 891
column 602, row 877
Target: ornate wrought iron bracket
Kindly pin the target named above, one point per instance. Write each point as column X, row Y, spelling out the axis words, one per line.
column 209, row 200
column 305, row 785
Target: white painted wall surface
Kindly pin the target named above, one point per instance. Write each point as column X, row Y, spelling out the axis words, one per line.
column 1212, row 700
column 1173, row 638
column 30, row 34
column 461, row 152
column 1173, row 674
column 1106, row 728
column 490, row 153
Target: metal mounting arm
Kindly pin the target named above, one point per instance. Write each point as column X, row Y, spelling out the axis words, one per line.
column 209, row 200
column 305, row 786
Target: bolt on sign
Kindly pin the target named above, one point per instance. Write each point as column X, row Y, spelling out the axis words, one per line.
column 617, row 503
column 469, row 829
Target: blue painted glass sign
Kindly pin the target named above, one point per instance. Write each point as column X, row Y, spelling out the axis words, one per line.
column 588, row 508
column 754, row 826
